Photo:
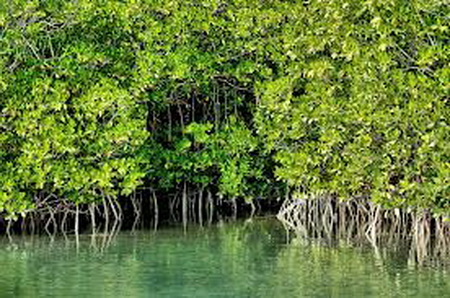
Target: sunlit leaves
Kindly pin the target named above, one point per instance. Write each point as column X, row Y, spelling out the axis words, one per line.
column 371, row 119
column 345, row 97
column 70, row 124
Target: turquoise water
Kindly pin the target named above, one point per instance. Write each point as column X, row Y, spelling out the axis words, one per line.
column 241, row 259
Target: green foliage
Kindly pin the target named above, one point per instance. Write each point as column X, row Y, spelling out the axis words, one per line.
column 343, row 97
column 203, row 157
column 70, row 124
column 362, row 105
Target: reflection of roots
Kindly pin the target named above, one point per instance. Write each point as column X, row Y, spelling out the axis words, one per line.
column 358, row 221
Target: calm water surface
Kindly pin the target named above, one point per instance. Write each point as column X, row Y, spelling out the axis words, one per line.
column 243, row 259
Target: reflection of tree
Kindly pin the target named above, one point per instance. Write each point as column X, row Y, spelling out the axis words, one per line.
column 310, row 268
column 356, row 221
column 228, row 260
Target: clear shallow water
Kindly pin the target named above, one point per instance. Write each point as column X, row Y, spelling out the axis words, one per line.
column 244, row 259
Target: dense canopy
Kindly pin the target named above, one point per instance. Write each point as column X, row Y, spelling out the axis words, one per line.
column 246, row 98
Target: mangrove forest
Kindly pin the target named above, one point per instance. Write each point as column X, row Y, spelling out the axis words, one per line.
column 226, row 148
column 139, row 111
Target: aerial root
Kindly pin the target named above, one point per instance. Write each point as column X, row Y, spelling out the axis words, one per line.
column 359, row 221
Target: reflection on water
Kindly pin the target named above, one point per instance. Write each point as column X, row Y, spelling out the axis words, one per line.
column 425, row 239
column 243, row 259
